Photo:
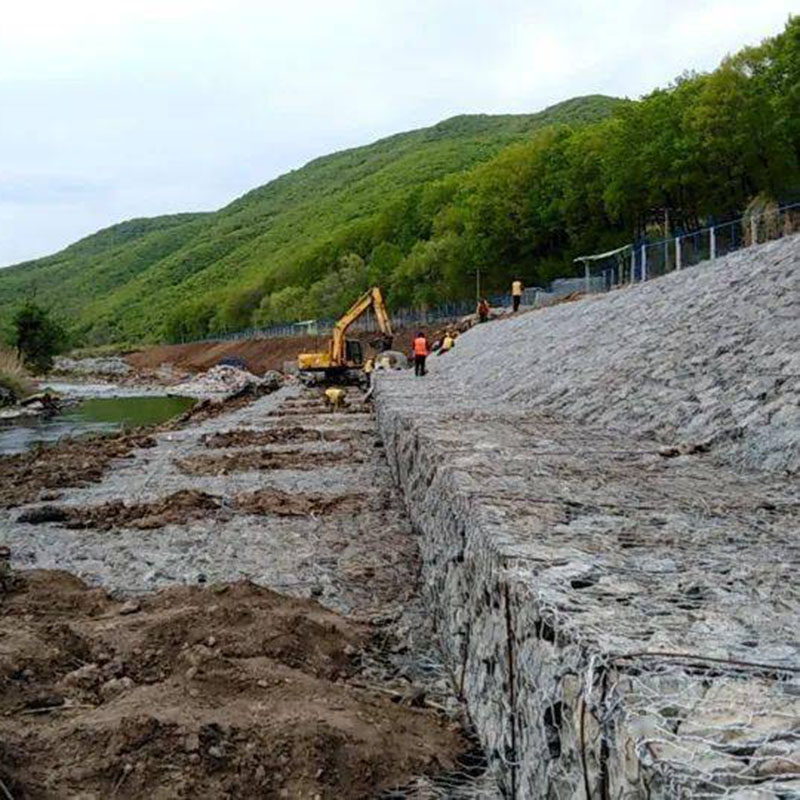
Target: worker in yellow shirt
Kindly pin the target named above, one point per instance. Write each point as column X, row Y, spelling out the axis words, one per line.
column 447, row 342
column 516, row 293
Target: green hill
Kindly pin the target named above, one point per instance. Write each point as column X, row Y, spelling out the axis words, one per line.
column 125, row 282
column 421, row 212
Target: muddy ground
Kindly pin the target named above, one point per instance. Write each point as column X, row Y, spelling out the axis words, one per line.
column 175, row 671
column 39, row 474
column 42, row 473
column 227, row 691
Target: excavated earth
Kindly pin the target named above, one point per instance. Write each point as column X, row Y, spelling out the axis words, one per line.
column 145, row 650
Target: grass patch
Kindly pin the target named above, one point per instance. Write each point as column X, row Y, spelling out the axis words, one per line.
column 13, row 376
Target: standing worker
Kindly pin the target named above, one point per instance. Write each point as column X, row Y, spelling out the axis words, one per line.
column 421, row 351
column 516, row 294
column 369, row 368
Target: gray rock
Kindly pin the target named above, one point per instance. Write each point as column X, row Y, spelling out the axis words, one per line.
column 130, row 607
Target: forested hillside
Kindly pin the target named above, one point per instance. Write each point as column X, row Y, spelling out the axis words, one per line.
column 421, row 211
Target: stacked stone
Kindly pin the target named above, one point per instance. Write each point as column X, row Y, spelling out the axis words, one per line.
column 618, row 607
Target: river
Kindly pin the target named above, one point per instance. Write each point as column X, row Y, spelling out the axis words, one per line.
column 98, row 408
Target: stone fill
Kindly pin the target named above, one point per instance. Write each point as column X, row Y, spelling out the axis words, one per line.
column 709, row 355
column 609, row 522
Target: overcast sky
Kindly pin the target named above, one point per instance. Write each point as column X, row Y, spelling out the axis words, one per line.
column 112, row 109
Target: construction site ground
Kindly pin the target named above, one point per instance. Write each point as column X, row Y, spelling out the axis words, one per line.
column 259, row 355
column 227, row 609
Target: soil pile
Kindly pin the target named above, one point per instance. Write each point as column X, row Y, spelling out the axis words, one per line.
column 27, row 477
column 227, row 691
column 179, row 508
column 187, row 505
column 248, row 437
column 249, row 460
column 298, row 504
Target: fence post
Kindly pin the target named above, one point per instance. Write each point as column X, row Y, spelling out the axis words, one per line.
column 586, row 275
column 678, row 262
column 712, row 232
column 753, row 230
column 644, row 263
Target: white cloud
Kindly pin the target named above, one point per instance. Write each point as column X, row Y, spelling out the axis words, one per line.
column 116, row 108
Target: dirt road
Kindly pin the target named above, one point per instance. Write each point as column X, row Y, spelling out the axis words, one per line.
column 161, row 662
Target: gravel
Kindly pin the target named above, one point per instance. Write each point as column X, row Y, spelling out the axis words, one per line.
column 290, row 554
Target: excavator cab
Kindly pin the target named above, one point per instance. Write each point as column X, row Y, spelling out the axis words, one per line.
column 354, row 353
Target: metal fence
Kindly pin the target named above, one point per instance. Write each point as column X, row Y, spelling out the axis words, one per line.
column 630, row 264
column 651, row 259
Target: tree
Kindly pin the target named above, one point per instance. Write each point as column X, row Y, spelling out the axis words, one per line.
column 36, row 336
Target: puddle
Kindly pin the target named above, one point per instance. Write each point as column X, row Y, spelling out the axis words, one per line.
column 92, row 415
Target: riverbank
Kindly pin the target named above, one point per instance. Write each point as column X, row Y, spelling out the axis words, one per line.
column 332, row 688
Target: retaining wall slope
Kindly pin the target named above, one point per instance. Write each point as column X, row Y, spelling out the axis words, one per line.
column 617, row 603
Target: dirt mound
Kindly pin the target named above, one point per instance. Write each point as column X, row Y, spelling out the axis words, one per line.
column 187, row 505
column 258, row 438
column 26, row 477
column 300, row 411
column 177, row 509
column 298, row 504
column 226, row 691
column 252, row 460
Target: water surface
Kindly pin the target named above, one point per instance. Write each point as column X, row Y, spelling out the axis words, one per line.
column 92, row 415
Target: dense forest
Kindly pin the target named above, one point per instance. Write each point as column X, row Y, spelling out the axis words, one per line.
column 420, row 212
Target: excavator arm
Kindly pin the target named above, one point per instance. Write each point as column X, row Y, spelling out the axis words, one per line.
column 370, row 299
column 336, row 357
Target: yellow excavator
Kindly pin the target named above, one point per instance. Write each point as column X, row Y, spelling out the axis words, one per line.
column 344, row 357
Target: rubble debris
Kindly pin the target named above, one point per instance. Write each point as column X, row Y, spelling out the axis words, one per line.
column 228, row 690
column 227, row 380
column 106, row 366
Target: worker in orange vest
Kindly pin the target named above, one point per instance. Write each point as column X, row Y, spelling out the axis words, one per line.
column 421, row 351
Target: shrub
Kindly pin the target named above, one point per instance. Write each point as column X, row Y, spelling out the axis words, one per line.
column 36, row 336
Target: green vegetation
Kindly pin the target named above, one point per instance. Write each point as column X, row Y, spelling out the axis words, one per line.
column 36, row 336
column 420, row 212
